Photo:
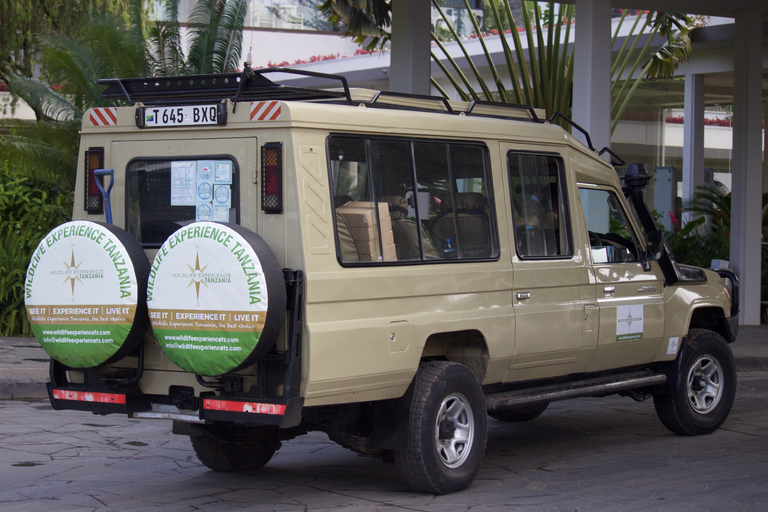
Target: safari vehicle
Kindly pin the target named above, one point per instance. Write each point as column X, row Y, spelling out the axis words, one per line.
column 255, row 261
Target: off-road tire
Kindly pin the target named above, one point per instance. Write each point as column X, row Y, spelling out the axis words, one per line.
column 236, row 450
column 444, row 456
column 706, row 386
column 524, row 413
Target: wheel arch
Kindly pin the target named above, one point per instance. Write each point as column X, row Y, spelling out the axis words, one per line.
column 467, row 347
column 711, row 318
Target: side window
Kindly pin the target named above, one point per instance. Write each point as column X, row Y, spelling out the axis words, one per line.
column 610, row 235
column 407, row 201
column 163, row 195
column 539, row 206
column 452, row 177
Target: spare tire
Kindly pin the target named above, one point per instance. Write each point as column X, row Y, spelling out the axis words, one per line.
column 216, row 298
column 85, row 293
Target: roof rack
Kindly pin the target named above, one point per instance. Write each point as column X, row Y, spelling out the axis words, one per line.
column 201, row 89
column 253, row 85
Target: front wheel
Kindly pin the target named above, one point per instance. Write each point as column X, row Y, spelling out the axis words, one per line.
column 706, row 386
column 447, row 429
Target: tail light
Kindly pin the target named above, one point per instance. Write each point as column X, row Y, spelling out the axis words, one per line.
column 94, row 159
column 272, row 177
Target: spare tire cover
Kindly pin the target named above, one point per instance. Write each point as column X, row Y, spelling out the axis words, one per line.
column 216, row 298
column 85, row 293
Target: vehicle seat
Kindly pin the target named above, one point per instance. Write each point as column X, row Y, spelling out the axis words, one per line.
column 470, row 223
column 347, row 246
column 406, row 232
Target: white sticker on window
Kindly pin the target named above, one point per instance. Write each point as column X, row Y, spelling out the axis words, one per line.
column 183, row 183
column 629, row 323
column 673, row 344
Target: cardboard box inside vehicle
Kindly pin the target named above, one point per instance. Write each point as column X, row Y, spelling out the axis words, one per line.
column 360, row 214
column 361, row 219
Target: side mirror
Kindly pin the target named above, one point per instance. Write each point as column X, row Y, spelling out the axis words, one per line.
column 655, row 245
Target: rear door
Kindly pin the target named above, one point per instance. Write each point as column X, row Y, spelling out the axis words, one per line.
column 170, row 183
column 549, row 275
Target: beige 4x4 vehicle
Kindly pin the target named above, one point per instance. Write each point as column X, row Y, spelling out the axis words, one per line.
column 387, row 269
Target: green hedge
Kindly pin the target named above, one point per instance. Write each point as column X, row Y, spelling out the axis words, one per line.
column 29, row 209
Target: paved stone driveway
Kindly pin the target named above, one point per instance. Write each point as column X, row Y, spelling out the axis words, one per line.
column 607, row 454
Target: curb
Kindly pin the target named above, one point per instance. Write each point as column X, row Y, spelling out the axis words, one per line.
column 23, row 383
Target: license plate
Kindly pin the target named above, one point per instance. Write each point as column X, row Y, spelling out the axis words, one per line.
column 156, row 117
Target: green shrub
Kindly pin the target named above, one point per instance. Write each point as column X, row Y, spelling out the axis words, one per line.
column 692, row 247
column 29, row 209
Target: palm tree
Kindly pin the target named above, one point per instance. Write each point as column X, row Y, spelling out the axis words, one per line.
column 216, row 36
column 544, row 77
column 112, row 48
column 47, row 147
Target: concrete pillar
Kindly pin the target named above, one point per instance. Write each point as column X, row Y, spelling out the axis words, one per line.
column 410, row 60
column 746, row 198
column 765, row 146
column 693, row 138
column 592, row 71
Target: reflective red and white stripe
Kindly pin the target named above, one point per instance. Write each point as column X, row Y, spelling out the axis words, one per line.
column 265, row 110
column 236, row 406
column 87, row 396
column 103, row 116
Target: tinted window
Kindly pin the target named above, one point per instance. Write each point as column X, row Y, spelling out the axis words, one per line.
column 401, row 200
column 539, row 206
column 163, row 195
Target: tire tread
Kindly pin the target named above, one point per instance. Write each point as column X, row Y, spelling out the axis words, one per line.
column 414, row 463
column 674, row 412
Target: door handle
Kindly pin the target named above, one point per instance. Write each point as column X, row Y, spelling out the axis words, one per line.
column 609, row 289
column 523, row 295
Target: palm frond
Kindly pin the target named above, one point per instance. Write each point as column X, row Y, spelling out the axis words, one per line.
column 204, row 22
column 367, row 20
column 228, row 43
column 46, row 103
column 478, row 76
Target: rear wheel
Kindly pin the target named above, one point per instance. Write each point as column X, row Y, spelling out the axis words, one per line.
column 524, row 413
column 706, row 387
column 447, row 429
column 236, row 449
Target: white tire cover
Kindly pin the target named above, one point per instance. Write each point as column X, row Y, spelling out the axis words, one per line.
column 85, row 293
column 216, row 298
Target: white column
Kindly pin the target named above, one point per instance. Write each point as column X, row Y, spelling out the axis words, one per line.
column 693, row 138
column 410, row 61
column 765, row 146
column 592, row 71
column 746, row 198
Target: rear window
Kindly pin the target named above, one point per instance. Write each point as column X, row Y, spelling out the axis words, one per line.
column 166, row 194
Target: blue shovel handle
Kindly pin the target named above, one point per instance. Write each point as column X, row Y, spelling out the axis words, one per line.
column 105, row 193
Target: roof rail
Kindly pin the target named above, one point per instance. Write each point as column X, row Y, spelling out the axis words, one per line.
column 201, row 89
column 494, row 109
column 410, row 101
column 570, row 121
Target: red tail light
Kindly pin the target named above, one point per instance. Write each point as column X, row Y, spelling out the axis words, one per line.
column 94, row 159
column 272, row 177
